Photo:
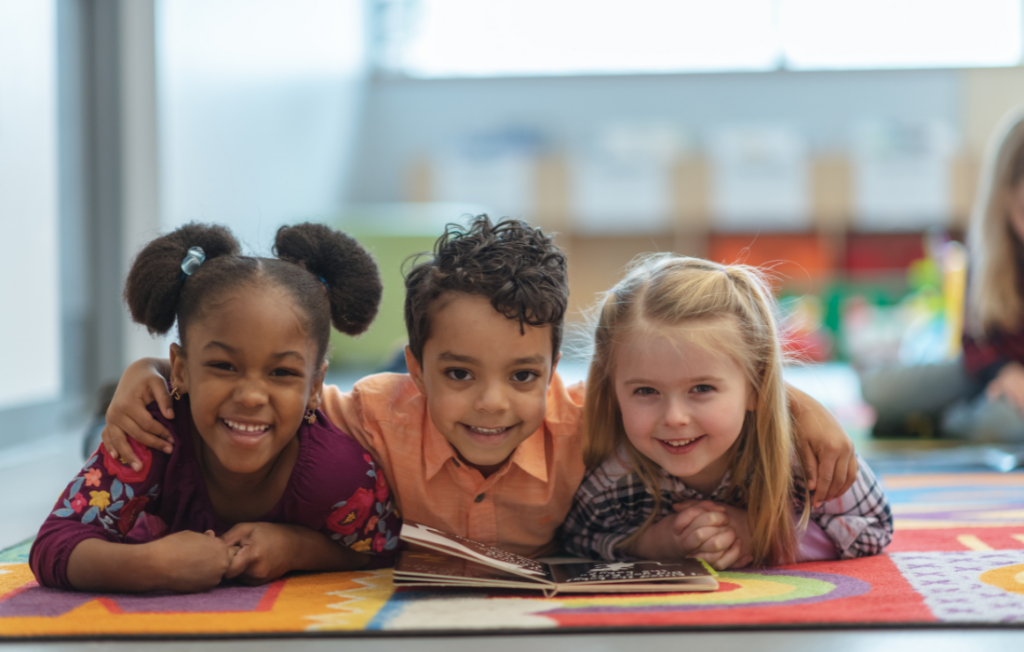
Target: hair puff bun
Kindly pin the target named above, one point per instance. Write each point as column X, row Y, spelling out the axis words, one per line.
column 353, row 281
column 155, row 279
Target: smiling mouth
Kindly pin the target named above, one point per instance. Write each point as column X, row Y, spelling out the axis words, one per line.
column 680, row 446
column 677, row 443
column 246, row 428
column 489, row 431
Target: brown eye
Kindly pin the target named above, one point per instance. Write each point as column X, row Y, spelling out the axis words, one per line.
column 458, row 374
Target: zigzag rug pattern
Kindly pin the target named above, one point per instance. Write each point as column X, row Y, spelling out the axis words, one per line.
column 957, row 558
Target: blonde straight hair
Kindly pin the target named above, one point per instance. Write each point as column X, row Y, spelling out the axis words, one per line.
column 667, row 290
column 994, row 301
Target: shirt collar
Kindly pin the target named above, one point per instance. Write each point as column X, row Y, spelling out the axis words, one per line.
column 436, row 449
column 531, row 455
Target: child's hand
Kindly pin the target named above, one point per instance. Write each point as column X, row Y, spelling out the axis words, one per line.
column 826, row 451
column 1008, row 384
column 263, row 552
column 728, row 549
column 189, row 562
column 699, row 524
column 127, row 416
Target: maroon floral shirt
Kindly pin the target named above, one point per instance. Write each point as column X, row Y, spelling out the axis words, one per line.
column 335, row 488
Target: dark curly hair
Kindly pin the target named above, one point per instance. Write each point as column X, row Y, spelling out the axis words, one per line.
column 331, row 278
column 510, row 263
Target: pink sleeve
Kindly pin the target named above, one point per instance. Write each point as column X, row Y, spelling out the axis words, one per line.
column 815, row 545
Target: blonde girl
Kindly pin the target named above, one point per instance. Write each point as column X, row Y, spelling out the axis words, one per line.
column 688, row 432
column 981, row 395
column 994, row 339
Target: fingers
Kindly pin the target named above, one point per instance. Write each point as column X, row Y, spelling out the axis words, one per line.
column 839, row 475
column 700, row 531
column 158, row 388
column 136, row 419
column 810, row 465
column 851, row 476
column 239, row 563
column 718, row 542
column 147, row 425
column 237, row 534
column 728, row 558
column 117, row 445
column 696, row 517
column 826, row 466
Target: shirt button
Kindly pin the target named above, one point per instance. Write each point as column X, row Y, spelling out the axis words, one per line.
column 479, row 499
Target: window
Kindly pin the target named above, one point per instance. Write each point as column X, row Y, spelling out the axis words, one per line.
column 469, row 38
column 29, row 266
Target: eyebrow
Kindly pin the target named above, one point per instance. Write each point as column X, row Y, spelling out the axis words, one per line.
column 230, row 349
column 448, row 356
column 698, row 379
column 455, row 357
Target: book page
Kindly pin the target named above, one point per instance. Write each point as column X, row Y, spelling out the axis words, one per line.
column 415, row 565
column 474, row 550
column 628, row 571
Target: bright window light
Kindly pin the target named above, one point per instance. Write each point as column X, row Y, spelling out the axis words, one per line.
column 850, row 34
column 455, row 38
column 494, row 38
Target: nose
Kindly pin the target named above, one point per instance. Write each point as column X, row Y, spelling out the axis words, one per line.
column 251, row 392
column 492, row 398
column 676, row 413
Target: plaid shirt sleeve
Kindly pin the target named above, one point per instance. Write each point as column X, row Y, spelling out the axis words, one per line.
column 859, row 522
column 608, row 507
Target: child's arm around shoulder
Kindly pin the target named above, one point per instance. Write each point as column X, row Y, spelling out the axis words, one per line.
column 143, row 382
column 826, row 450
column 859, row 522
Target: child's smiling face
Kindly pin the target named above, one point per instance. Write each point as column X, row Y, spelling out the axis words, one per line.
column 485, row 381
column 251, row 371
column 682, row 404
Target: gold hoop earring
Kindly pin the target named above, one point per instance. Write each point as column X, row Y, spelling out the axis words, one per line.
column 310, row 416
column 175, row 394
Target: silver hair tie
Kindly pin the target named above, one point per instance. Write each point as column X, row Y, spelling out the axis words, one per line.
column 193, row 259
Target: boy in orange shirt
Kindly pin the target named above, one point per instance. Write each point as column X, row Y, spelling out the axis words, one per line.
column 481, row 438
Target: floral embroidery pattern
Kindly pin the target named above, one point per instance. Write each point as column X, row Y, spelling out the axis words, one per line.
column 78, row 503
column 100, row 499
column 114, row 508
column 361, row 522
column 122, row 471
column 352, row 513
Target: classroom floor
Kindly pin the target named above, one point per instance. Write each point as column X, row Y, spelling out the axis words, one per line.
column 31, row 475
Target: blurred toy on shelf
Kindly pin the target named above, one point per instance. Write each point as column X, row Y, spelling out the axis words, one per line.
column 921, row 327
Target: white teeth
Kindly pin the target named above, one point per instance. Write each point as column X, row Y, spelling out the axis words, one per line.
column 241, row 427
column 680, row 442
column 487, row 431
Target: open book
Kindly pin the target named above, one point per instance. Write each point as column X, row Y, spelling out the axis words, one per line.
column 463, row 562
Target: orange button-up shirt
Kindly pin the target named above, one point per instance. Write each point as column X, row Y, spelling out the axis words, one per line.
column 517, row 508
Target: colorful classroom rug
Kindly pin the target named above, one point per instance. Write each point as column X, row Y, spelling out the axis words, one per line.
column 957, row 558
